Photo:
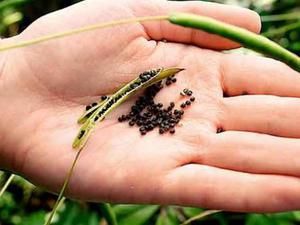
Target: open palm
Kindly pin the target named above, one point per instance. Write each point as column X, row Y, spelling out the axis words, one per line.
column 240, row 169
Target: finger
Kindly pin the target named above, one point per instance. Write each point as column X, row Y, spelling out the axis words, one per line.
column 258, row 75
column 231, row 14
column 263, row 114
column 215, row 188
column 254, row 153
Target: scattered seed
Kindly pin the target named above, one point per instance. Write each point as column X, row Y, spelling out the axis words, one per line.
column 172, row 131
column 220, row 130
column 192, row 99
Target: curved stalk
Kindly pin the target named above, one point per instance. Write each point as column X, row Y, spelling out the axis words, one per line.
column 244, row 37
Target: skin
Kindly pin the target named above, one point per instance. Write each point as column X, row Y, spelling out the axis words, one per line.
column 253, row 166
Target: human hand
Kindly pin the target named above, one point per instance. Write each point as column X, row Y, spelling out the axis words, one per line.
column 44, row 89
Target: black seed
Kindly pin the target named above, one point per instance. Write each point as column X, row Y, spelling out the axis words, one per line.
column 181, row 112
column 220, row 130
column 168, row 82
column 94, row 104
column 160, row 105
column 88, row 107
column 131, row 123
column 81, row 134
column 142, row 129
column 138, row 83
column 161, row 130
column 143, row 132
column 174, row 80
column 192, row 99
column 172, row 120
column 172, row 104
column 133, row 86
column 172, row 131
column 183, row 105
column 104, row 97
column 185, row 91
column 189, row 93
column 188, row 102
column 96, row 118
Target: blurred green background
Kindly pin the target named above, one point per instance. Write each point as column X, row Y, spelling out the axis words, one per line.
column 26, row 204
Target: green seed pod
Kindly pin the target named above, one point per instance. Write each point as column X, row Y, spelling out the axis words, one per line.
column 87, row 114
column 142, row 81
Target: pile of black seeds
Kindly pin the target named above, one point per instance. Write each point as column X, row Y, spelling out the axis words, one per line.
column 148, row 115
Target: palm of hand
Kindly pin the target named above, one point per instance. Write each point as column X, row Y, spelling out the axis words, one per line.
column 118, row 164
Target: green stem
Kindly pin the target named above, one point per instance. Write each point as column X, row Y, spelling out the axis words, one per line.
column 62, row 191
column 282, row 30
column 80, row 30
column 108, row 214
column 280, row 17
column 7, row 183
column 244, row 37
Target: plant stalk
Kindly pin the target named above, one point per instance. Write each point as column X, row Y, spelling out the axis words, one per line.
column 244, row 37
column 80, row 30
column 60, row 197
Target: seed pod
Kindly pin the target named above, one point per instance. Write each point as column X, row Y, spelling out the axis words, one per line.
column 142, row 81
column 90, row 109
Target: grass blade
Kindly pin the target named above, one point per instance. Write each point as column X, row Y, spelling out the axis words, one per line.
column 7, row 183
column 108, row 214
